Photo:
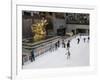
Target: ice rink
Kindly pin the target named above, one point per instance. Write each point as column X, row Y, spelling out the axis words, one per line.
column 79, row 56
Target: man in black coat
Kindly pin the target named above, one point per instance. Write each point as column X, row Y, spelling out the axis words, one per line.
column 88, row 38
column 58, row 43
column 32, row 55
column 78, row 40
column 68, row 44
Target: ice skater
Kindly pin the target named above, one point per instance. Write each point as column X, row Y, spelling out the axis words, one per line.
column 88, row 38
column 58, row 43
column 63, row 44
column 32, row 56
column 68, row 44
column 56, row 46
column 68, row 54
column 78, row 40
column 84, row 39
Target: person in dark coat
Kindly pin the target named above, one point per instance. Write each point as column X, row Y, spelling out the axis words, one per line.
column 88, row 38
column 32, row 55
column 56, row 46
column 68, row 44
column 78, row 40
column 84, row 39
column 68, row 55
column 63, row 44
column 58, row 43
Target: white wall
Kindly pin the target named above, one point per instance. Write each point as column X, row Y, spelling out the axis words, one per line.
column 5, row 6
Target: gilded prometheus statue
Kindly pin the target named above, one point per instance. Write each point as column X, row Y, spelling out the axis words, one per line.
column 38, row 30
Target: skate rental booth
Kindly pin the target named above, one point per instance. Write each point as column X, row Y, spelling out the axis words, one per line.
column 39, row 28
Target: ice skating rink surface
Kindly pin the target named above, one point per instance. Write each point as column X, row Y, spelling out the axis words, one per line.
column 79, row 56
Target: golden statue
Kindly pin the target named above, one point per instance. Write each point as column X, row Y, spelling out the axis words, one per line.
column 38, row 29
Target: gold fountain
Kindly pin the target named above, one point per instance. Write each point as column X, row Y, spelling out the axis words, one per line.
column 38, row 29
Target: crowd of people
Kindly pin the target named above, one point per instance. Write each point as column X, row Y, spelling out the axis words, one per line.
column 65, row 44
column 84, row 39
column 54, row 46
column 68, row 44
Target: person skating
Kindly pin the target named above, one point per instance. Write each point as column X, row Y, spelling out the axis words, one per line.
column 56, row 46
column 58, row 43
column 84, row 39
column 78, row 40
column 63, row 44
column 32, row 55
column 88, row 38
column 68, row 44
column 68, row 54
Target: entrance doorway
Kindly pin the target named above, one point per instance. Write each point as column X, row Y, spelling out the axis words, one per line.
column 61, row 32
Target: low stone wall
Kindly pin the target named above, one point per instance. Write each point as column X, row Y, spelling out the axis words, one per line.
column 40, row 47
